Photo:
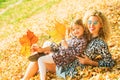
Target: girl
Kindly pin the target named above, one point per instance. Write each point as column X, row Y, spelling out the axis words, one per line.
column 66, row 52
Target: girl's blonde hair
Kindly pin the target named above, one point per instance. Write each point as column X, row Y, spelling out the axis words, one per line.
column 105, row 30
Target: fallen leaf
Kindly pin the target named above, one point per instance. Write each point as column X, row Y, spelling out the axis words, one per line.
column 26, row 41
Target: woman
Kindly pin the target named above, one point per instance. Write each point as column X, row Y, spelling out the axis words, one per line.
column 98, row 28
column 98, row 31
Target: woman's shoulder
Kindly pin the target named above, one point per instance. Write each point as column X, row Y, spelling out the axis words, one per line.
column 97, row 41
column 100, row 41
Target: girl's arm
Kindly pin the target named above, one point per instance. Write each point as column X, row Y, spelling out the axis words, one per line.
column 45, row 50
column 34, row 48
column 66, row 56
column 64, row 44
column 71, row 52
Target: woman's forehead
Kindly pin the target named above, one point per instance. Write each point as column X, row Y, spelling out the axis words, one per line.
column 93, row 18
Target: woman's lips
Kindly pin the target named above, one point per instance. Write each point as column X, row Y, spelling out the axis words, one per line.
column 92, row 29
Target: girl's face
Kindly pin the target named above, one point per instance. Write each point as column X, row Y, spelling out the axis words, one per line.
column 93, row 25
column 77, row 30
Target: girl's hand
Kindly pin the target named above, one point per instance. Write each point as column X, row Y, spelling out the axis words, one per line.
column 34, row 48
column 64, row 43
column 47, row 52
column 84, row 59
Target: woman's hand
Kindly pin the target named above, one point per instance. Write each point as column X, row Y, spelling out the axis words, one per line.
column 85, row 60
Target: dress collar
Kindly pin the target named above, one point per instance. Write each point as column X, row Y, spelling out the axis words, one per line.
column 94, row 37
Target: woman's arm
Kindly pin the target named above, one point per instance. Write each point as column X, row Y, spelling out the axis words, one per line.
column 106, row 60
column 86, row 61
column 101, row 49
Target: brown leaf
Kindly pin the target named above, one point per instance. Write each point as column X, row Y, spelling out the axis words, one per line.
column 32, row 37
column 24, row 40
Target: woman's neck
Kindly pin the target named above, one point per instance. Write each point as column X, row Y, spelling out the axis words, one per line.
column 95, row 35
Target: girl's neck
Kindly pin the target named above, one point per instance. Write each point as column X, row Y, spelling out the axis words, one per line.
column 80, row 36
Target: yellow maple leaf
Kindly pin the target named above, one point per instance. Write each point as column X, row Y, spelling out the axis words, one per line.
column 60, row 28
column 25, row 50
column 58, row 33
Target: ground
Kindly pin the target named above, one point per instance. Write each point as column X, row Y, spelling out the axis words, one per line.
column 13, row 64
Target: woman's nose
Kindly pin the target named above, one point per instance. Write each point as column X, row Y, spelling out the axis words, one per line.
column 91, row 25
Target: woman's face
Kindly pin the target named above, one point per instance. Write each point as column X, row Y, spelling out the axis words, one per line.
column 77, row 30
column 93, row 25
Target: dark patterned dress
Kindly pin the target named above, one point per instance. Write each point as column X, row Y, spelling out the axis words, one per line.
column 65, row 57
column 96, row 47
column 62, row 56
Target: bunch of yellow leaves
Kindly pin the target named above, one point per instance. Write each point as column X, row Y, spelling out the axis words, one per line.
column 58, row 33
column 26, row 41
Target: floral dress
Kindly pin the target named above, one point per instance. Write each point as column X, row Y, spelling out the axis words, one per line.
column 96, row 47
column 63, row 56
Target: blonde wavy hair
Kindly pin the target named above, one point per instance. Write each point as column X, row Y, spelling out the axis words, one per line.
column 105, row 30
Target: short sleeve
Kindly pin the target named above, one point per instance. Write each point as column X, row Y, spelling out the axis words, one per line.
column 54, row 47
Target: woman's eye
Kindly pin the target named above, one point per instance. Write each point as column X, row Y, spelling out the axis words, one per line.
column 89, row 22
column 95, row 22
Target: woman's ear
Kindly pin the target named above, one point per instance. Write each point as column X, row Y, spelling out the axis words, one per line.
column 101, row 25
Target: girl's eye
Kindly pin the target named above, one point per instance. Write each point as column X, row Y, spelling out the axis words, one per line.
column 73, row 29
column 77, row 28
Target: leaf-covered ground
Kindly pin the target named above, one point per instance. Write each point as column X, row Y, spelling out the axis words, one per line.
column 13, row 64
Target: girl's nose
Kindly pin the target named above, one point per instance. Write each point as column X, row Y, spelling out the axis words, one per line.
column 75, row 30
